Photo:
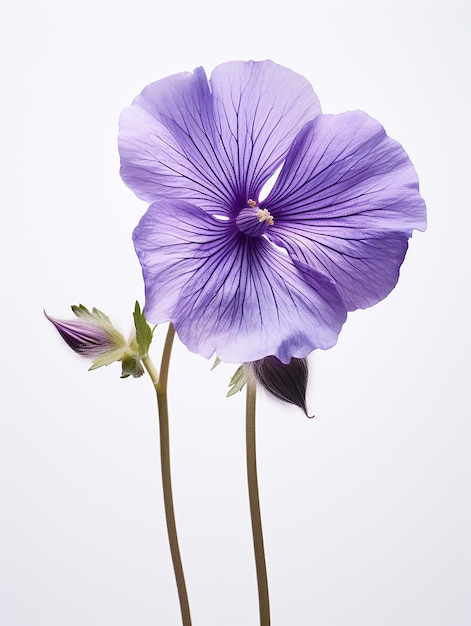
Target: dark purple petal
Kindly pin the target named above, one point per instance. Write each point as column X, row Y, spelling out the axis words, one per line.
column 346, row 202
column 228, row 293
column 216, row 144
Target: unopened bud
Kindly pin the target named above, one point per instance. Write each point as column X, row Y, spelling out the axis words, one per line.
column 286, row 382
column 93, row 336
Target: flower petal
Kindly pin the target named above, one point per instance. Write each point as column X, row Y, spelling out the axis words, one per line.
column 231, row 294
column 259, row 109
column 169, row 145
column 213, row 145
column 346, row 202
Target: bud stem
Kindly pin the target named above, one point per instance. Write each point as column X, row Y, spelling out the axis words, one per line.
column 160, row 385
column 259, row 552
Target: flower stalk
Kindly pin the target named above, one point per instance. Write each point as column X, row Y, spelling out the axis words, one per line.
column 160, row 385
column 257, row 534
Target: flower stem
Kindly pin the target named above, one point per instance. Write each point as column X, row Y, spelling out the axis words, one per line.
column 160, row 385
column 259, row 552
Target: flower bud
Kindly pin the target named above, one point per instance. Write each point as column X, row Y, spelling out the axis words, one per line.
column 93, row 336
column 286, row 382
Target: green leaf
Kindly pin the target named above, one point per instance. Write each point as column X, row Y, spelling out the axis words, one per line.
column 143, row 330
column 237, row 382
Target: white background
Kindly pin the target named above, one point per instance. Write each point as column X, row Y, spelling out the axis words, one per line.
column 366, row 508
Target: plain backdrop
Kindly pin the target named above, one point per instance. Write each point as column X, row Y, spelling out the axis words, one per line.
column 366, row 508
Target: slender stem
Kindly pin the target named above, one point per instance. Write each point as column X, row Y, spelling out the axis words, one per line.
column 259, row 552
column 160, row 385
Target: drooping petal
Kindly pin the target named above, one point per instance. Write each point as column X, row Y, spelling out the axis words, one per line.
column 346, row 202
column 231, row 294
column 215, row 144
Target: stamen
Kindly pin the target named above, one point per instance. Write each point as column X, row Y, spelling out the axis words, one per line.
column 265, row 216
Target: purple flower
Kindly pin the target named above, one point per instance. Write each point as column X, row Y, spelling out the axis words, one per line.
column 246, row 276
column 93, row 336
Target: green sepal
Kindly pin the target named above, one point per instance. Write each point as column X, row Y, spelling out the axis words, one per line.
column 100, row 319
column 217, row 360
column 237, row 382
column 131, row 366
column 96, row 314
column 143, row 331
column 108, row 357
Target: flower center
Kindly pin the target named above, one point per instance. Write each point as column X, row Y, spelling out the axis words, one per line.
column 253, row 221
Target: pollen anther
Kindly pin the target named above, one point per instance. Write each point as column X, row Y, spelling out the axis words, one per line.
column 264, row 215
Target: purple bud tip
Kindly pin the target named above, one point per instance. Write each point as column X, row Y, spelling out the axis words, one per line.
column 87, row 338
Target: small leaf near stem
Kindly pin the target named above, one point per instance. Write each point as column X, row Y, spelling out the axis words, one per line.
column 238, row 381
column 143, row 330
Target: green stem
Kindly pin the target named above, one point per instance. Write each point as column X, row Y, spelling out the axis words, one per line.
column 160, row 385
column 259, row 552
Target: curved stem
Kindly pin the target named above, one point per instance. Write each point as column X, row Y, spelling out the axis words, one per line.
column 259, row 552
column 160, row 385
